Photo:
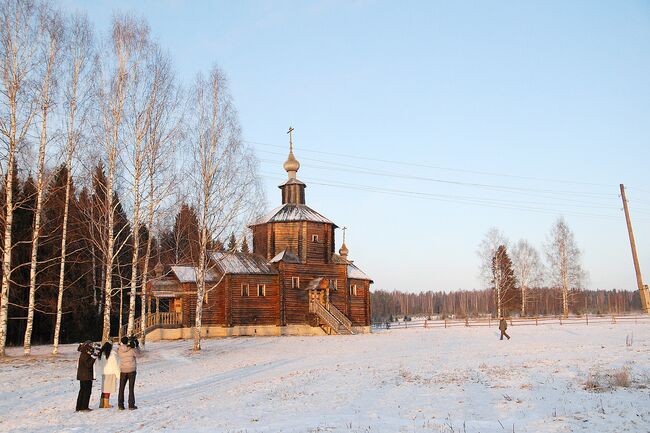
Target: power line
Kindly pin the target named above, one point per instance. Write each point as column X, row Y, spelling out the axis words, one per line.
column 502, row 204
column 423, row 165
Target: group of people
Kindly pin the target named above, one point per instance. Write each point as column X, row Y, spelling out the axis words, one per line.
column 112, row 367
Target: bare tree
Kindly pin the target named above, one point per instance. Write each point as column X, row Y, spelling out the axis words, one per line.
column 563, row 255
column 139, row 110
column 51, row 41
column 529, row 270
column 486, row 250
column 127, row 36
column 222, row 172
column 18, row 29
column 77, row 96
column 164, row 130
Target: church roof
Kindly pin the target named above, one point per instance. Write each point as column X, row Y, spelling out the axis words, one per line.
column 187, row 274
column 356, row 273
column 293, row 212
column 241, row 263
column 285, row 256
column 164, row 288
column 292, row 181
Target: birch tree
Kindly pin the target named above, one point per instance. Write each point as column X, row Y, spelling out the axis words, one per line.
column 164, row 131
column 18, row 29
column 77, row 97
column 127, row 36
column 51, row 40
column 486, row 252
column 564, row 264
column 222, row 172
column 141, row 97
column 528, row 269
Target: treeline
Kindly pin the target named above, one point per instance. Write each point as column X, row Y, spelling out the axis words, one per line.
column 109, row 164
column 481, row 303
column 83, row 302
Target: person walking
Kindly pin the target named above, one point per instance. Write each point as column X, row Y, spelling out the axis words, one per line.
column 503, row 325
column 85, row 374
column 128, row 351
column 110, row 369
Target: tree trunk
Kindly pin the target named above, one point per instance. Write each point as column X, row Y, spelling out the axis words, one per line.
column 59, row 301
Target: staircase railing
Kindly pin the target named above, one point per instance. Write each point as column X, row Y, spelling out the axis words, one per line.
column 332, row 317
column 153, row 321
column 340, row 317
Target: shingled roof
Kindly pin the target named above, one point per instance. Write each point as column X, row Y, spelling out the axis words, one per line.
column 357, row 274
column 241, row 263
column 293, row 212
column 187, row 274
column 285, row 256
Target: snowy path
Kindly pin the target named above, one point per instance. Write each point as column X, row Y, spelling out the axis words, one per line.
column 415, row 380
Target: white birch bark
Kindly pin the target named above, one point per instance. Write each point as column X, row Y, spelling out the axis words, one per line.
column 78, row 56
column 52, row 34
column 114, row 96
column 17, row 30
column 564, row 263
column 222, row 172
column 164, row 131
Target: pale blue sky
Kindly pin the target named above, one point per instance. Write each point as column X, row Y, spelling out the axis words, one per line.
column 548, row 100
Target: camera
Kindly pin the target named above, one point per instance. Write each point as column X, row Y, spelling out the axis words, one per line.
column 133, row 342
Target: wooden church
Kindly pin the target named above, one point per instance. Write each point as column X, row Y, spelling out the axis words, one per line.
column 293, row 283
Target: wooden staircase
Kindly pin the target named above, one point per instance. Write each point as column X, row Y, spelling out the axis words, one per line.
column 331, row 317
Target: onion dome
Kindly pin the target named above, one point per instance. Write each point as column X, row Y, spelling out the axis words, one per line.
column 343, row 252
column 291, row 165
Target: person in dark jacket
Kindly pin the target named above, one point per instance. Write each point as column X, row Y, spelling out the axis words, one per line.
column 128, row 352
column 85, row 374
column 503, row 325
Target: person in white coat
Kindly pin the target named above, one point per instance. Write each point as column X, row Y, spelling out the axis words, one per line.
column 109, row 367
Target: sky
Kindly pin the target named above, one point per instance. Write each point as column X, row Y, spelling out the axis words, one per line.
column 421, row 125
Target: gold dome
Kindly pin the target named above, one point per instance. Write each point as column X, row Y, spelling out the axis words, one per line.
column 291, row 164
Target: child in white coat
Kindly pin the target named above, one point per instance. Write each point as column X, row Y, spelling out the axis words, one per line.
column 109, row 367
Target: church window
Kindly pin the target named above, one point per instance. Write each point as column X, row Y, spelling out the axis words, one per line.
column 261, row 290
column 295, row 282
column 314, row 238
column 334, row 283
column 244, row 290
column 353, row 290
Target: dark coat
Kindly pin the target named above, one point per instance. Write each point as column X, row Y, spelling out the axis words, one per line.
column 85, row 367
column 503, row 325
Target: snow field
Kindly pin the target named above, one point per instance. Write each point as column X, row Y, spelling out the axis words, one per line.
column 549, row 378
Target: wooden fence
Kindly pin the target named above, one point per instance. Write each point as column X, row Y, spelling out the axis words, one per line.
column 525, row 321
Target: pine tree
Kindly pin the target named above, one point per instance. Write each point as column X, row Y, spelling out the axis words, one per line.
column 504, row 282
column 244, row 246
column 232, row 243
column 185, row 235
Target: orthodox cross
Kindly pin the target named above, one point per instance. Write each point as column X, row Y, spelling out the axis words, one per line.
column 344, row 229
column 290, row 132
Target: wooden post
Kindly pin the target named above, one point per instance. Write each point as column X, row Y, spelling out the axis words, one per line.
column 643, row 289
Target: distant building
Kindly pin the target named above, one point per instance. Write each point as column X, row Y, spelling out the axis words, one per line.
column 292, row 283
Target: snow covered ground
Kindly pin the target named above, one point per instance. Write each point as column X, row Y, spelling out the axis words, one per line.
column 413, row 380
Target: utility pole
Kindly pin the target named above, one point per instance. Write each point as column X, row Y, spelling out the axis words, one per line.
column 643, row 289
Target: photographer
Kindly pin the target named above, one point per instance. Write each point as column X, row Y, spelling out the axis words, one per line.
column 128, row 352
column 85, row 374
